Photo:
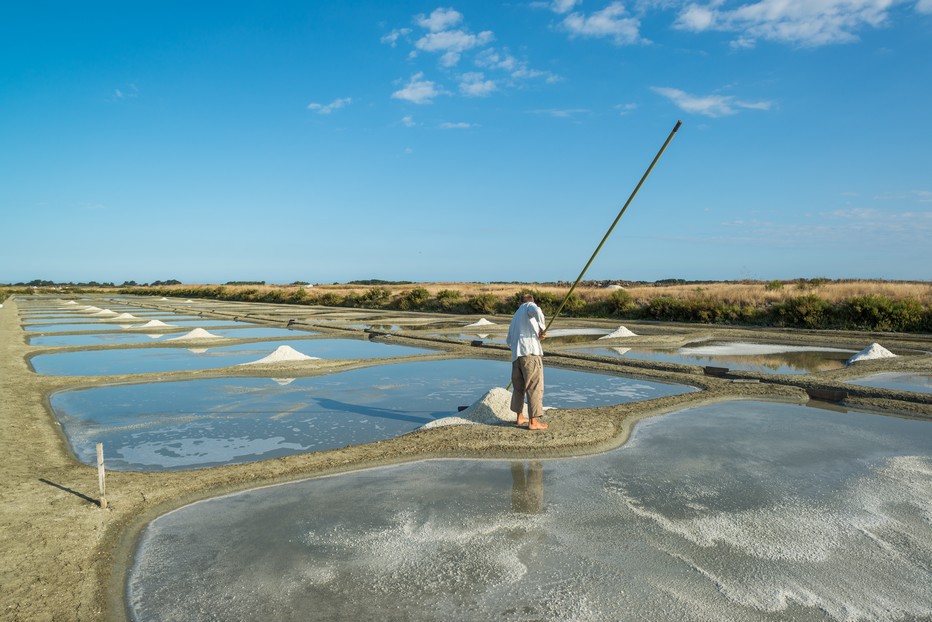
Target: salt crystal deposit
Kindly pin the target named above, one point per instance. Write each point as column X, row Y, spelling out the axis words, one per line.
column 163, row 298
column 105, row 312
column 71, row 302
column 493, row 408
column 197, row 333
column 613, row 286
column 126, row 316
column 91, row 309
column 281, row 355
column 873, row 351
column 621, row 331
column 481, row 322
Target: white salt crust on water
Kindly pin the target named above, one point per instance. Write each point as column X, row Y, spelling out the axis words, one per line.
column 481, row 322
column 621, row 331
column 197, row 333
column 283, row 354
column 492, row 408
column 870, row 353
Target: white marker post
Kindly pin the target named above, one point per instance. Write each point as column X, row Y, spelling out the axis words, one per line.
column 101, row 476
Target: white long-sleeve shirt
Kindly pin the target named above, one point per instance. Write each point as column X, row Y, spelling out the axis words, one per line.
column 523, row 333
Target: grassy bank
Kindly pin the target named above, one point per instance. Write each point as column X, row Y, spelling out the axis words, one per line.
column 817, row 303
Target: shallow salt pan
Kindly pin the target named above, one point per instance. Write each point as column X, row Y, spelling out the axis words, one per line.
column 743, row 512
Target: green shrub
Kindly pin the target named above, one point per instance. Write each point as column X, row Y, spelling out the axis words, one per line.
column 807, row 311
column 876, row 312
column 620, row 302
column 774, row 286
column 415, row 299
column 484, row 303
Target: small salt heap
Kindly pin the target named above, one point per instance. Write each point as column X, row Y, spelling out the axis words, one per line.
column 126, row 316
column 90, row 309
column 873, row 351
column 481, row 322
column 281, row 355
column 493, row 408
column 197, row 333
column 105, row 312
column 71, row 302
column 621, row 331
column 155, row 324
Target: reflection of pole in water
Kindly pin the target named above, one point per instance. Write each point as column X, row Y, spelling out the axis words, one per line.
column 527, row 488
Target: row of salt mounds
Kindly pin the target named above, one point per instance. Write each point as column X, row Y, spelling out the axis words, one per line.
column 197, row 333
column 870, row 353
column 281, row 355
column 621, row 331
column 493, row 408
column 481, row 322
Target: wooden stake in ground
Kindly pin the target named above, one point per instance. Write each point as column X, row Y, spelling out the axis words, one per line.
column 101, row 476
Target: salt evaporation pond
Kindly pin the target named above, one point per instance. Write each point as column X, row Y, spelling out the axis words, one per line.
column 897, row 381
column 200, row 423
column 202, row 354
column 762, row 358
column 744, row 511
column 136, row 337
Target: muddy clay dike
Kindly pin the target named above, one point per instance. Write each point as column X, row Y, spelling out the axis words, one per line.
column 313, row 463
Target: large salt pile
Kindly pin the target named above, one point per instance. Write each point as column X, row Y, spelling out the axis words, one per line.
column 871, row 352
column 91, row 309
column 281, row 355
column 621, row 331
column 493, row 408
column 105, row 312
column 197, row 333
column 481, row 322
column 126, row 316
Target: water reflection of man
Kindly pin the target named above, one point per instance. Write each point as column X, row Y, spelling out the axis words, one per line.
column 527, row 488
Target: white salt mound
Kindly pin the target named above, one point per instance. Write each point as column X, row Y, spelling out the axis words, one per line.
column 126, row 316
column 90, row 309
column 197, row 333
column 481, row 322
column 873, row 351
column 105, row 312
column 71, row 302
column 621, row 331
column 163, row 298
column 155, row 324
column 282, row 354
column 613, row 286
column 492, row 409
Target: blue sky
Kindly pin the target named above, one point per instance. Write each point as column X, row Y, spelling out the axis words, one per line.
column 474, row 141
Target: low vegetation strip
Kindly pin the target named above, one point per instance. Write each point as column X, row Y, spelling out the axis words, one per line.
column 884, row 306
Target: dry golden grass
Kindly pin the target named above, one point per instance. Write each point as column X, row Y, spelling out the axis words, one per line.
column 749, row 293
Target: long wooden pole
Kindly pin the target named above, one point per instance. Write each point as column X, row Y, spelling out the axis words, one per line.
column 617, row 218
column 610, row 229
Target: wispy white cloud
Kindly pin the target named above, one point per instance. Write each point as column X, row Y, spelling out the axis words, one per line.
column 624, row 109
column 439, row 19
column 474, row 84
column 709, row 105
column 810, row 23
column 418, row 90
column 392, row 37
column 851, row 227
column 561, row 113
column 502, row 60
column 563, row 6
column 457, row 126
column 129, row 91
column 452, row 43
column 924, row 6
column 328, row 108
column 408, row 121
column 612, row 22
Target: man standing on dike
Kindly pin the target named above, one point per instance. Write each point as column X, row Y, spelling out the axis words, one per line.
column 527, row 366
